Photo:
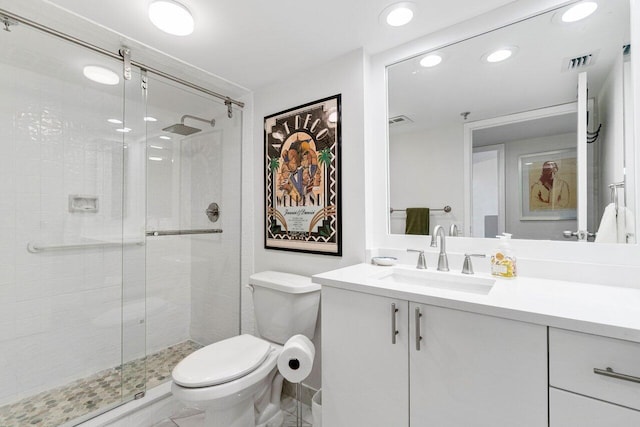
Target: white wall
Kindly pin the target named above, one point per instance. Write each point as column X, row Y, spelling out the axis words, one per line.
column 610, row 142
column 426, row 170
column 345, row 76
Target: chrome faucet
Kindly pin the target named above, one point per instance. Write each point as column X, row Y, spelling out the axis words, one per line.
column 443, row 262
column 467, row 267
column 422, row 264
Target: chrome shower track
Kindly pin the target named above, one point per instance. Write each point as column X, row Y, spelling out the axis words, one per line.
column 8, row 17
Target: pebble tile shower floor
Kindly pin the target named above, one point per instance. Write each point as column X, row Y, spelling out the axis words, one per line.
column 60, row 405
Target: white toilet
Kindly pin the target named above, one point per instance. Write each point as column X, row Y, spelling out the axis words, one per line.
column 236, row 381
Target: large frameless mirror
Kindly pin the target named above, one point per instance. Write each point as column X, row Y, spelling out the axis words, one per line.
column 525, row 130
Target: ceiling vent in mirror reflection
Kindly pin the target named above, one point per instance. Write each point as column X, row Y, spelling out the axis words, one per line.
column 399, row 120
column 579, row 62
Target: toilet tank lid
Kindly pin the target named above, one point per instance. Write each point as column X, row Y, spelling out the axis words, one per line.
column 284, row 282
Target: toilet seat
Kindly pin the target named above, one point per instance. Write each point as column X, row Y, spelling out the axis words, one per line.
column 222, row 362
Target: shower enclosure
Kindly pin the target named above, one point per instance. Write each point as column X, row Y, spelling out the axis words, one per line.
column 111, row 269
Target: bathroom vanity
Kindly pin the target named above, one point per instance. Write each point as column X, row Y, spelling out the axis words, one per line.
column 404, row 347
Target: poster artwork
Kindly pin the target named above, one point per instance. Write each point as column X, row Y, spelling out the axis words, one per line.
column 302, row 182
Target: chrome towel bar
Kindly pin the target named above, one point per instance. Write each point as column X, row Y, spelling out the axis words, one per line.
column 182, row 232
column 34, row 247
column 446, row 209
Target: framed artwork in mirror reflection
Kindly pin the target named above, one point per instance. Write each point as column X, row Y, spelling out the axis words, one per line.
column 548, row 185
column 302, row 178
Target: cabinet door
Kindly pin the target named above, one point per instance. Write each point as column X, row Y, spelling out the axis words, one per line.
column 364, row 375
column 476, row 370
column 572, row 410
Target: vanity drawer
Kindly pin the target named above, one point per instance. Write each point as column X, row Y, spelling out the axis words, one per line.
column 573, row 356
column 572, row 410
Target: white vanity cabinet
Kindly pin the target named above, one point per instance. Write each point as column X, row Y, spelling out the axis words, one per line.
column 594, row 381
column 467, row 370
column 364, row 373
column 476, row 370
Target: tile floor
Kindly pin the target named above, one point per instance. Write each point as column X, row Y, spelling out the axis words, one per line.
column 193, row 418
column 57, row 406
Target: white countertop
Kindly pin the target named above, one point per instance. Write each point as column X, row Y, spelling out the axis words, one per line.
column 602, row 310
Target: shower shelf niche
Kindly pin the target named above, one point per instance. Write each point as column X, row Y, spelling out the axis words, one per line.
column 83, row 203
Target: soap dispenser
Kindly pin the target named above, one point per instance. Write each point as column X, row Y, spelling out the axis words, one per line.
column 503, row 260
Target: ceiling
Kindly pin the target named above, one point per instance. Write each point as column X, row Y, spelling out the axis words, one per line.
column 253, row 43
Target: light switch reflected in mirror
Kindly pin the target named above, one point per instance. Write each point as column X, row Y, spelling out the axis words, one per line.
column 498, row 141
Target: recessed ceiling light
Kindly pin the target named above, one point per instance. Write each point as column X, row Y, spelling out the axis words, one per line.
column 165, row 137
column 115, row 121
column 157, row 147
column 155, row 159
column 123, row 130
column 431, row 60
column 171, row 17
column 500, row 55
column 398, row 14
column 150, row 119
column 579, row 11
column 100, row 75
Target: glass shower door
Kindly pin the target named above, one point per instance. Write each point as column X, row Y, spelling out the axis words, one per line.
column 193, row 263
column 70, row 247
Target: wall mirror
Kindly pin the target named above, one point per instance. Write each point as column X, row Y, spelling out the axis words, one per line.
column 533, row 145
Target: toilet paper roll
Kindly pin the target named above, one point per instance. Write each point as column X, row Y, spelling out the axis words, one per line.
column 296, row 359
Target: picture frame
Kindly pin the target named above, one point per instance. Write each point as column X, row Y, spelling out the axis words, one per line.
column 548, row 185
column 302, row 178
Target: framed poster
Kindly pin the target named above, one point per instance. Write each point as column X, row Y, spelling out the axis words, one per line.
column 548, row 185
column 302, row 178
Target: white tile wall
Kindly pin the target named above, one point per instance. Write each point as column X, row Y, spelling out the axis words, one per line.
column 168, row 291
column 212, row 161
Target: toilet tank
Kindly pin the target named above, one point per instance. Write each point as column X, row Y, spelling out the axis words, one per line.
column 284, row 305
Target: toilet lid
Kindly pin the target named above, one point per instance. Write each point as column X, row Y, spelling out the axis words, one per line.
column 221, row 362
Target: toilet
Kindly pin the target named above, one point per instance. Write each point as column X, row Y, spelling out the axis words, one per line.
column 236, row 381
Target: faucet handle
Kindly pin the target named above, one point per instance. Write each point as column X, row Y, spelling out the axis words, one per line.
column 467, row 267
column 422, row 264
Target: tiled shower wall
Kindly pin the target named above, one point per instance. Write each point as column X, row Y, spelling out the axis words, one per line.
column 214, row 176
column 195, row 276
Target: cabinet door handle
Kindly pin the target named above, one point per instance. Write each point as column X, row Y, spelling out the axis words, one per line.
column 418, row 334
column 608, row 372
column 394, row 329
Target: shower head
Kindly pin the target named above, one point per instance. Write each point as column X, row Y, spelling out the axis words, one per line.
column 182, row 129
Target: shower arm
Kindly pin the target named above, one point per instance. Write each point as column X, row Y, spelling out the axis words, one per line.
column 212, row 122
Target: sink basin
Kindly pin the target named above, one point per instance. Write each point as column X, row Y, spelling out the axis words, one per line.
column 436, row 279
